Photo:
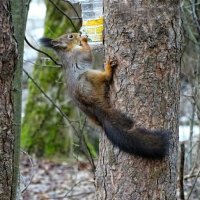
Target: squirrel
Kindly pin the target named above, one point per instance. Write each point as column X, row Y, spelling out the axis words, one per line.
column 89, row 90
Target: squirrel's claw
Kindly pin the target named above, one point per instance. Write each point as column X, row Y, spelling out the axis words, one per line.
column 113, row 63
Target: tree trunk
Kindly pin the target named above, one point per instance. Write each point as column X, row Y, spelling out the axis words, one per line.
column 8, row 58
column 19, row 10
column 144, row 38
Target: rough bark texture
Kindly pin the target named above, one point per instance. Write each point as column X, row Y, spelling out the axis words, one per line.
column 144, row 37
column 8, row 56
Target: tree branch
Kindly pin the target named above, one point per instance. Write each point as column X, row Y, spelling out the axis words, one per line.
column 60, row 10
column 55, row 105
column 40, row 51
column 32, row 171
column 78, row 17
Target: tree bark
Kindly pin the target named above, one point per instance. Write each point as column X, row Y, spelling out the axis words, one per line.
column 144, row 37
column 8, row 58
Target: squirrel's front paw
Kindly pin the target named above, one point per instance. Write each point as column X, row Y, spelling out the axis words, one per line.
column 113, row 63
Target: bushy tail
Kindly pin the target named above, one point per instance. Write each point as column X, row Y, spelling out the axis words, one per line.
column 137, row 141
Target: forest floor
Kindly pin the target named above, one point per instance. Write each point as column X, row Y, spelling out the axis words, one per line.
column 49, row 180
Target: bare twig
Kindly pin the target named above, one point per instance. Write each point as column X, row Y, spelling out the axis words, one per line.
column 191, row 20
column 194, row 15
column 91, row 160
column 60, row 10
column 46, row 66
column 53, row 103
column 28, row 3
column 72, row 188
column 189, row 176
column 194, row 184
column 32, row 170
column 40, row 51
column 194, row 145
column 78, row 17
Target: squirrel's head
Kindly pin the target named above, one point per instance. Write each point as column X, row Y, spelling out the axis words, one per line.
column 70, row 45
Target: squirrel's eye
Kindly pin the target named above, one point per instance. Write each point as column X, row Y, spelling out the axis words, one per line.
column 70, row 36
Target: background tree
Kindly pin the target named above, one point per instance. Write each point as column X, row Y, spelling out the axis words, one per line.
column 144, row 37
column 11, row 57
column 45, row 130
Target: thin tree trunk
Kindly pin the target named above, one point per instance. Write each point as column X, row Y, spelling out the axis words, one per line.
column 8, row 58
column 144, row 37
column 19, row 10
